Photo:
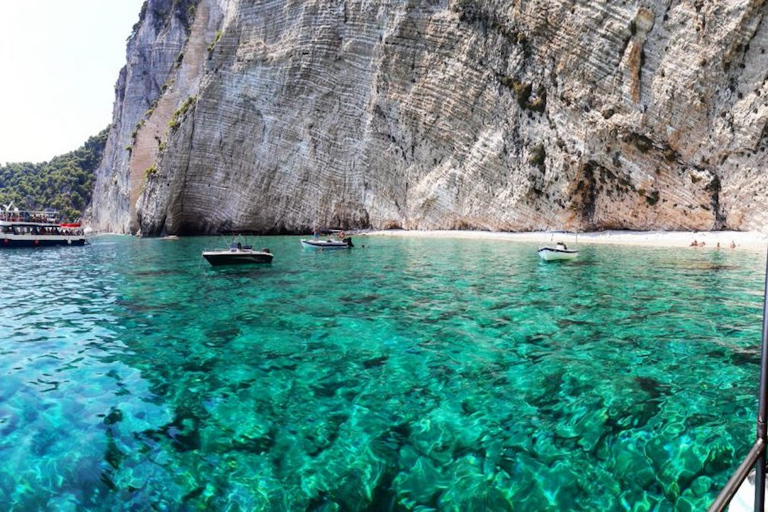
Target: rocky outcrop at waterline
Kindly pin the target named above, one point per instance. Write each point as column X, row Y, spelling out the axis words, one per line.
column 473, row 114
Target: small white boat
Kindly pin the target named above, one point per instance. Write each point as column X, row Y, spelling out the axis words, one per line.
column 237, row 254
column 317, row 243
column 557, row 252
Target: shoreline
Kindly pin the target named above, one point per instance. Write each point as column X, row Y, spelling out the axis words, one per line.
column 748, row 240
column 745, row 240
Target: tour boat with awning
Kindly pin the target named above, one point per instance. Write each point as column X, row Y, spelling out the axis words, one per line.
column 37, row 229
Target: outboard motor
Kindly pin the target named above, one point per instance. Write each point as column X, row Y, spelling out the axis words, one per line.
column 349, row 241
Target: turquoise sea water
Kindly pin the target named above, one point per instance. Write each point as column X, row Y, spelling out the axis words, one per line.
column 412, row 374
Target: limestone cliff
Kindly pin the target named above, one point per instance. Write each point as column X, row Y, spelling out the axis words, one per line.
column 503, row 115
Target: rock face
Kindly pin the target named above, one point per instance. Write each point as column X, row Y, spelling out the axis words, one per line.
column 476, row 114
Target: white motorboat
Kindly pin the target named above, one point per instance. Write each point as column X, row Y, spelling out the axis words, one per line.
column 557, row 252
column 237, row 254
column 318, row 243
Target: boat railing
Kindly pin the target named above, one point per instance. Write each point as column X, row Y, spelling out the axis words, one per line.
column 30, row 216
column 33, row 229
column 738, row 477
column 757, row 455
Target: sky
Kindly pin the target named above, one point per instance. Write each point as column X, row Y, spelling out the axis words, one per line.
column 59, row 62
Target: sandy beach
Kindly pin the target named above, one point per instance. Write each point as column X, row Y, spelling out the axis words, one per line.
column 753, row 241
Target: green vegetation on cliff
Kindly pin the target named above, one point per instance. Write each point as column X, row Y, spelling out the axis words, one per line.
column 65, row 183
column 162, row 12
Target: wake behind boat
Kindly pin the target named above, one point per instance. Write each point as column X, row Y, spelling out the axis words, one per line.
column 237, row 254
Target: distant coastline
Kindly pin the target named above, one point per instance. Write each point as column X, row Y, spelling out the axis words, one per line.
column 754, row 241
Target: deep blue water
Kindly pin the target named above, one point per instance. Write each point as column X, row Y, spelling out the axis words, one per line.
column 412, row 374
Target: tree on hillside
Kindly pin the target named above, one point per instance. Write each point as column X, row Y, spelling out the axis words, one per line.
column 64, row 184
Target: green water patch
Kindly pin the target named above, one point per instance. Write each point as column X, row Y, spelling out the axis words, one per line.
column 412, row 374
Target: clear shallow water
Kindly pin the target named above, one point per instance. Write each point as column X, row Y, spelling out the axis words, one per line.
column 408, row 375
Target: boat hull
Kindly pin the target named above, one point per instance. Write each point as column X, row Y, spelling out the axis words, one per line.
column 744, row 500
column 221, row 258
column 43, row 241
column 552, row 254
column 325, row 244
